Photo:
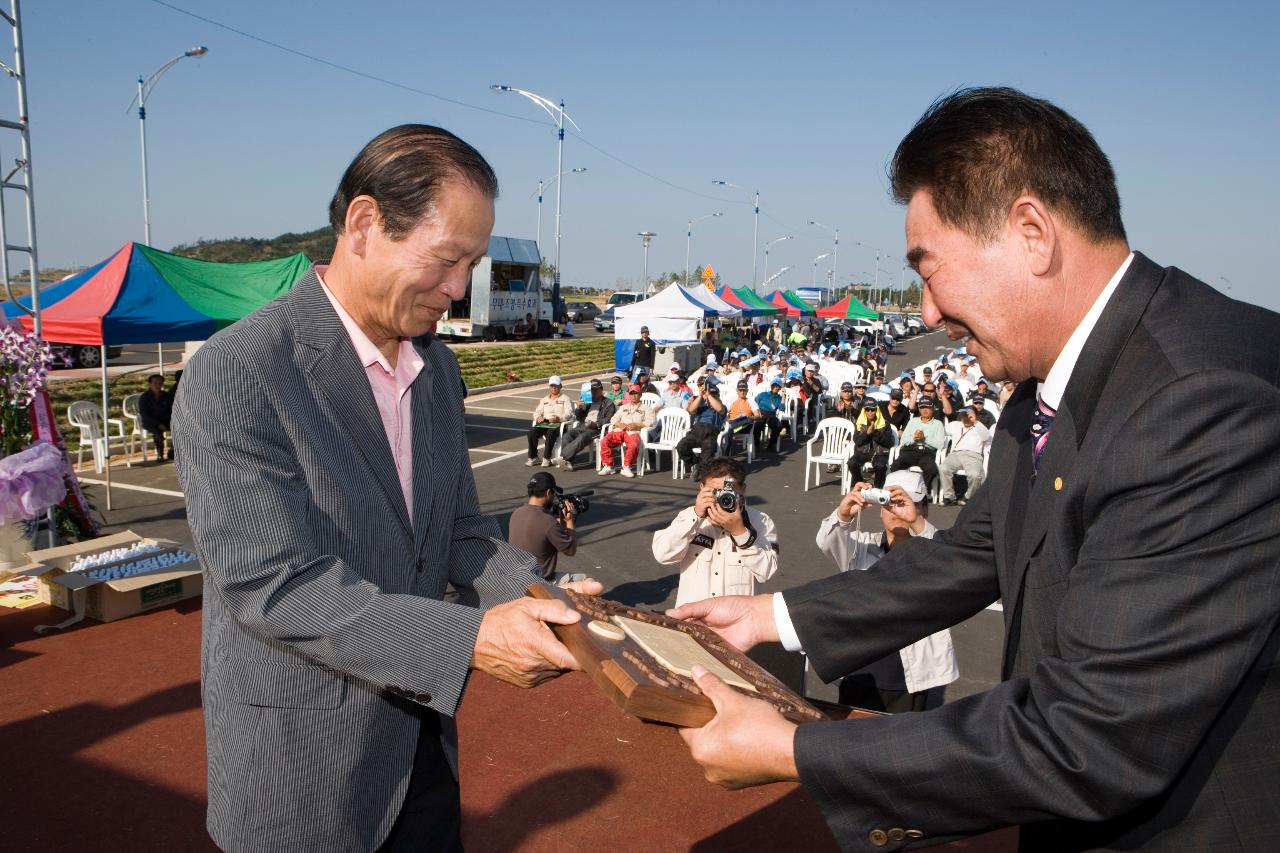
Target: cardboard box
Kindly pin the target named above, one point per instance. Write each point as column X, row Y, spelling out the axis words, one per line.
column 107, row 601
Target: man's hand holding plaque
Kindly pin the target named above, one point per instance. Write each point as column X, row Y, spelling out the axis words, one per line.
column 747, row 742
column 515, row 645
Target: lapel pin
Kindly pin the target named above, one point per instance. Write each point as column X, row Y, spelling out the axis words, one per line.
column 1057, row 484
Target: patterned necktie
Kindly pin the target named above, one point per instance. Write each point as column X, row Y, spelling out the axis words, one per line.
column 1041, row 424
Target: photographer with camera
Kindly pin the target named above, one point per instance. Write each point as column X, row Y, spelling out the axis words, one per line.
column 914, row 678
column 721, row 545
column 545, row 525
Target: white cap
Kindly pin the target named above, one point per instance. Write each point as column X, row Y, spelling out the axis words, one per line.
column 911, row 482
column 554, row 380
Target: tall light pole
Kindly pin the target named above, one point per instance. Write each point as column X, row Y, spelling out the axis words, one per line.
column 542, row 181
column 646, row 236
column 876, row 289
column 835, row 249
column 755, row 229
column 145, row 85
column 766, row 255
column 558, row 115
column 814, row 280
column 688, row 241
column 778, row 274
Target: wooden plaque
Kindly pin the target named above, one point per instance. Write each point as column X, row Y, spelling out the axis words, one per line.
column 653, row 687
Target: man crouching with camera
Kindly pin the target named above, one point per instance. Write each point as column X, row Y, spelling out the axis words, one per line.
column 722, row 545
column 545, row 525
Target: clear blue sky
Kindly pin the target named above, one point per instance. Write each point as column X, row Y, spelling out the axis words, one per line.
column 804, row 102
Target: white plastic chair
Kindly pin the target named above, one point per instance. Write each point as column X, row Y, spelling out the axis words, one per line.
column 134, row 431
column 790, row 416
column 87, row 417
column 837, row 436
column 674, row 424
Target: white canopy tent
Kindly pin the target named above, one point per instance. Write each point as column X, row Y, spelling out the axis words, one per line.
column 671, row 315
column 705, row 297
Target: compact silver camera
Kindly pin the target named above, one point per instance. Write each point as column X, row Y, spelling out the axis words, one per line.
column 728, row 498
column 876, row 496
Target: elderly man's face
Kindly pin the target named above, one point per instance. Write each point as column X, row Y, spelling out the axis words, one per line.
column 977, row 290
column 412, row 281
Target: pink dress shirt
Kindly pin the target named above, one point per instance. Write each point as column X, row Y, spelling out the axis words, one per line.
column 392, row 390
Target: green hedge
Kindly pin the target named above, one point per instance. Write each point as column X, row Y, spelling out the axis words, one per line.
column 482, row 366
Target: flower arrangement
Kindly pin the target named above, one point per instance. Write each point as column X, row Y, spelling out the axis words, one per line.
column 34, row 472
column 24, row 368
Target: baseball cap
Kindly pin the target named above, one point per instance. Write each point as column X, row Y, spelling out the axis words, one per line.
column 674, row 377
column 596, row 383
column 896, row 394
column 644, row 328
column 542, row 481
column 925, row 402
column 634, row 389
column 910, row 482
column 777, row 383
column 811, row 366
column 742, row 384
column 977, row 400
column 617, row 380
column 846, row 386
column 554, row 380
column 860, row 384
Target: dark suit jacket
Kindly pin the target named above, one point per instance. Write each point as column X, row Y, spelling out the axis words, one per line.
column 1140, row 576
column 326, row 640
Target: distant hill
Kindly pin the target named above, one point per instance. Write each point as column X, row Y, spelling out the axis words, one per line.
column 317, row 245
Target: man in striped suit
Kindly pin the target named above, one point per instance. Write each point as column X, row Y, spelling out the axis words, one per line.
column 321, row 448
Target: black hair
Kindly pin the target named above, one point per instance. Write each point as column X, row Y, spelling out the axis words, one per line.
column 976, row 150
column 403, row 169
column 723, row 466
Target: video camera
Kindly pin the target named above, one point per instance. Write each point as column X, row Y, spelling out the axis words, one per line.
column 577, row 501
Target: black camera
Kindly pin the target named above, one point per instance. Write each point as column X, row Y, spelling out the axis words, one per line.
column 727, row 497
column 577, row 500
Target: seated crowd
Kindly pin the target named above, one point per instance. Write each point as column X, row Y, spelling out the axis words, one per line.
column 938, row 418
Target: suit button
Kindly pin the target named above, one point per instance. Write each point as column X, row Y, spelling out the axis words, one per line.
column 914, row 833
column 878, row 837
column 424, row 698
column 897, row 834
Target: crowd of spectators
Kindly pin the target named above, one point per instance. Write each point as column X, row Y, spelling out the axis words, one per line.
column 761, row 383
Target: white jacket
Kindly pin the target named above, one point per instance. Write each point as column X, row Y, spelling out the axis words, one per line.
column 711, row 565
column 930, row 662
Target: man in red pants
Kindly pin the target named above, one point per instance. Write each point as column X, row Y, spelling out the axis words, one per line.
column 624, row 429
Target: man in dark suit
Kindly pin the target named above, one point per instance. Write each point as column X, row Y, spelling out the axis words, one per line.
column 322, row 452
column 1130, row 525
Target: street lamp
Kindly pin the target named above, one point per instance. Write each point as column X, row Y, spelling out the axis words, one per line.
column 778, row 274
column 558, row 114
column 835, row 249
column 766, row 253
column 646, row 236
column 144, row 89
column 688, row 241
column 1227, row 281
column 755, row 230
column 542, row 181
column 814, row 281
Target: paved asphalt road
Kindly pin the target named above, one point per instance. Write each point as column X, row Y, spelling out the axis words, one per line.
column 616, row 532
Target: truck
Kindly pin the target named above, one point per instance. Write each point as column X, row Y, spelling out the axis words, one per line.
column 505, row 289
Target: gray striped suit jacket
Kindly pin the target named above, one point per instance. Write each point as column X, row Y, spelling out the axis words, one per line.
column 324, row 629
column 1140, row 576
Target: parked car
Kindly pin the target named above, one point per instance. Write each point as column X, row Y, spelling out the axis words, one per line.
column 914, row 324
column 77, row 355
column 582, row 311
column 604, row 322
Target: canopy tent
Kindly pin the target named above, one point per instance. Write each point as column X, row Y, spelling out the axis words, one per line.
column 792, row 307
column 671, row 315
column 750, row 297
column 718, row 306
column 799, row 301
column 141, row 295
column 748, row 310
column 848, row 309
